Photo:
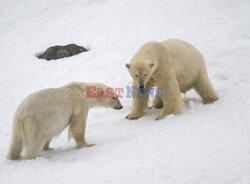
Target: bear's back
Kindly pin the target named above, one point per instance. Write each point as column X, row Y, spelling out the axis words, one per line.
column 183, row 56
column 47, row 102
column 186, row 60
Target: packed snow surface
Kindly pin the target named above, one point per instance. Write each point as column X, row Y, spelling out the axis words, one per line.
column 204, row 144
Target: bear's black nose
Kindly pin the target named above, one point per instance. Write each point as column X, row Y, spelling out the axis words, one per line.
column 118, row 108
column 141, row 86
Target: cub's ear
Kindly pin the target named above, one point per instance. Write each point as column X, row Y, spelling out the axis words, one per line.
column 151, row 65
column 127, row 65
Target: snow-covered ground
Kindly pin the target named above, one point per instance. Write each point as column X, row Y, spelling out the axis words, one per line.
column 204, row 144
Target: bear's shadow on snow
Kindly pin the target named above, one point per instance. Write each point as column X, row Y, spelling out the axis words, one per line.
column 190, row 104
column 57, row 151
column 65, row 154
column 194, row 100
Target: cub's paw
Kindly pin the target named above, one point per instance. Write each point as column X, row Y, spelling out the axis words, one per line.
column 133, row 116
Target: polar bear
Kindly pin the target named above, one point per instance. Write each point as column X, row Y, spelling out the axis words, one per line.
column 174, row 66
column 46, row 113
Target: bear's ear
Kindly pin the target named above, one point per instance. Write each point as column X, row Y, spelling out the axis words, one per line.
column 152, row 67
column 127, row 65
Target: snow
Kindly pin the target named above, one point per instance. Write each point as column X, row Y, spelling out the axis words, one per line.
column 203, row 144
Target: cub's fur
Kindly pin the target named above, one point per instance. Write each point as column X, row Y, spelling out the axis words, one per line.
column 46, row 113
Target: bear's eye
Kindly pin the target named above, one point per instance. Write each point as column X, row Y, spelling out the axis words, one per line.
column 113, row 98
column 136, row 75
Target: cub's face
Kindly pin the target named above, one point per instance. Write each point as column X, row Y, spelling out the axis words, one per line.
column 110, row 99
column 113, row 102
column 140, row 73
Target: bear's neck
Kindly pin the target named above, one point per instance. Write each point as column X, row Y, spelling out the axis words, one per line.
column 91, row 101
column 94, row 102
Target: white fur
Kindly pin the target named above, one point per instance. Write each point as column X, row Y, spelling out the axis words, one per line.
column 46, row 113
column 174, row 65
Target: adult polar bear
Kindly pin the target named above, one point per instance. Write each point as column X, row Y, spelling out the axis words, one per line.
column 173, row 65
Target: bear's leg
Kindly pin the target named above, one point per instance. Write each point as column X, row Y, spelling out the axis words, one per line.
column 171, row 98
column 46, row 146
column 139, row 104
column 16, row 146
column 77, row 129
column 205, row 89
column 157, row 103
column 34, row 147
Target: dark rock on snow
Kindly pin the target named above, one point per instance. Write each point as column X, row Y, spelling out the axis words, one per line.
column 57, row 52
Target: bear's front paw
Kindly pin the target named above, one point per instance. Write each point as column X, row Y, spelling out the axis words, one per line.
column 160, row 117
column 85, row 145
column 133, row 116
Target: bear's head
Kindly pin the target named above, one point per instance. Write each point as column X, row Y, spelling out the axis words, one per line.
column 141, row 72
column 110, row 99
column 105, row 96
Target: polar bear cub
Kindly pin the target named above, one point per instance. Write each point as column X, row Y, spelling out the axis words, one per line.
column 174, row 66
column 46, row 113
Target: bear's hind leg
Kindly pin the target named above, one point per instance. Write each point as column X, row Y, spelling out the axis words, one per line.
column 16, row 146
column 34, row 147
column 205, row 89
